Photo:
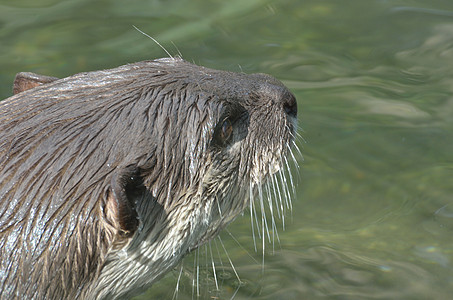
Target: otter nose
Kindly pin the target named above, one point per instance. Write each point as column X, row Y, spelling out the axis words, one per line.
column 271, row 88
column 289, row 104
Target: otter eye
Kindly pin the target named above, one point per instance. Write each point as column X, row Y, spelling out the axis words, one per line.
column 223, row 132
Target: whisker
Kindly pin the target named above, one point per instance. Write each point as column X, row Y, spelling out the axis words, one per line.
column 279, row 193
column 198, row 273
column 295, row 146
column 255, row 218
column 277, row 236
column 274, row 192
column 235, row 292
column 257, row 221
column 251, row 215
column 175, row 294
column 206, row 262
column 154, row 40
column 229, row 259
column 271, row 210
column 177, row 49
column 239, row 244
column 213, row 268
column 218, row 254
column 285, row 190
column 294, row 160
column 299, row 136
column 194, row 268
column 263, row 213
column 263, row 221
column 288, row 173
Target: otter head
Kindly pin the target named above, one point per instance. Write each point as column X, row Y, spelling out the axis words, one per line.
column 135, row 167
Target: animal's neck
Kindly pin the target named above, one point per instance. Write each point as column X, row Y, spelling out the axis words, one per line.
column 156, row 248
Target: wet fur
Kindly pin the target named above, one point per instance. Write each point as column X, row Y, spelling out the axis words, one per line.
column 108, row 178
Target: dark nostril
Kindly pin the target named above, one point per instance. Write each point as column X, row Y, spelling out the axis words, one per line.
column 290, row 105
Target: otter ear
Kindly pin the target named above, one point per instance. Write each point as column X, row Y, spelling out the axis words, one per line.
column 125, row 187
column 27, row 80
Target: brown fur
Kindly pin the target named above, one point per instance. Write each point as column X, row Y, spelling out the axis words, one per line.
column 113, row 160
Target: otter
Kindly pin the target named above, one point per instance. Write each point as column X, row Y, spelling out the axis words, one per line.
column 109, row 178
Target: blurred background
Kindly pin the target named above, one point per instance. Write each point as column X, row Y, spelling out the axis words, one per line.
column 373, row 215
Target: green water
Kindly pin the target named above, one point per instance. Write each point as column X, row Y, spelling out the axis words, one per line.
column 373, row 216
